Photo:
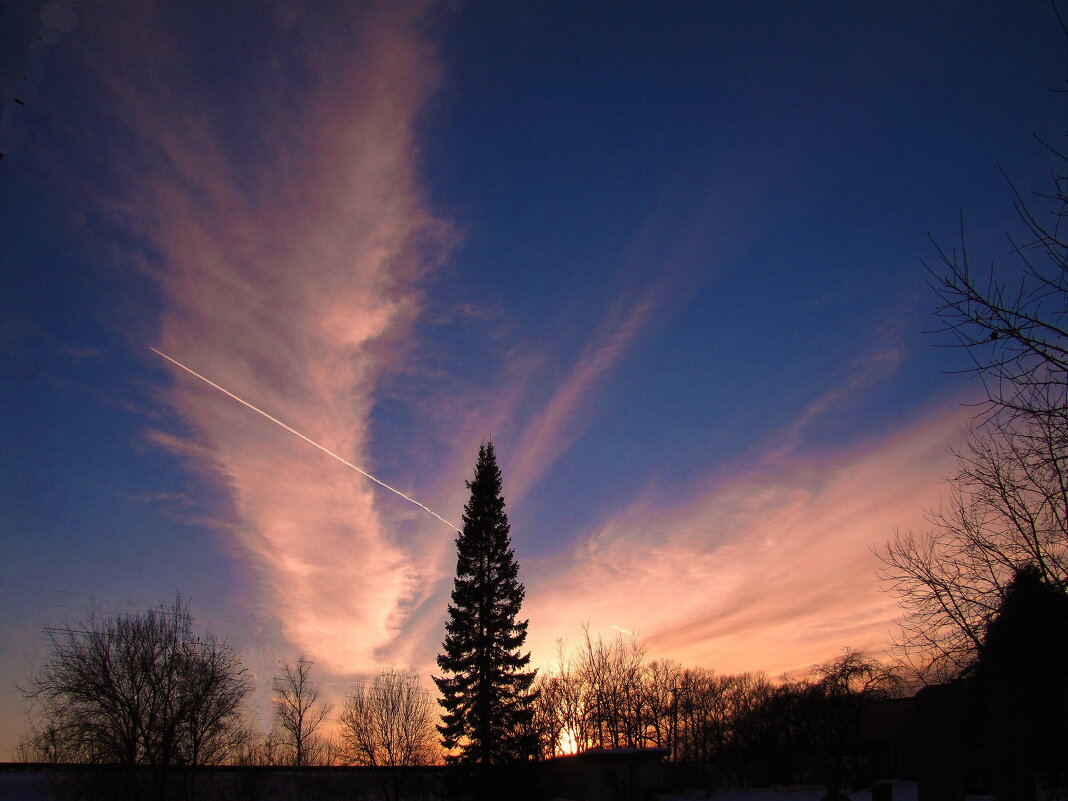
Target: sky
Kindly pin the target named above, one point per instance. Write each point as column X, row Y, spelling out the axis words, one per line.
column 668, row 257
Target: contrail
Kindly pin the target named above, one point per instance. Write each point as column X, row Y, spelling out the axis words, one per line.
column 306, row 439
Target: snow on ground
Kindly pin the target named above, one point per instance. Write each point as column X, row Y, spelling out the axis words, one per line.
column 902, row 791
column 23, row 787
column 28, row 787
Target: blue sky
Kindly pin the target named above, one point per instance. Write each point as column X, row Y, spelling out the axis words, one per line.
column 667, row 256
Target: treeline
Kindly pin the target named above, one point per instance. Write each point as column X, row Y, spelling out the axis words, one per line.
column 143, row 691
column 145, row 696
column 747, row 727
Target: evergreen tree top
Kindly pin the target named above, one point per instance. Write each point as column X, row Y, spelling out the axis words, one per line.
column 485, row 685
column 484, row 518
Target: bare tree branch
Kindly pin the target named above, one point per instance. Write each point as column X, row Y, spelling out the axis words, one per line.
column 298, row 714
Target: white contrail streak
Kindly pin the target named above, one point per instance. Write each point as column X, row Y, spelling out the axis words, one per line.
column 306, row 439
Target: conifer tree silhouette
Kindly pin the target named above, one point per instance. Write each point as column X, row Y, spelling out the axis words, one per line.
column 485, row 687
column 1020, row 676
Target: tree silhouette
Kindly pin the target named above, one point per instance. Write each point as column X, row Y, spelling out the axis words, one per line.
column 486, row 689
column 298, row 713
column 1013, row 324
column 1020, row 675
column 1008, row 504
column 139, row 691
column 388, row 723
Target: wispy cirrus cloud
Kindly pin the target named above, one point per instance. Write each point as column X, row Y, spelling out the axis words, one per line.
column 771, row 568
column 868, row 369
column 668, row 258
column 554, row 427
column 288, row 265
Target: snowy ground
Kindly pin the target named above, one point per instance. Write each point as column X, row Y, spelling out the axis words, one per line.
column 903, row 791
column 26, row 787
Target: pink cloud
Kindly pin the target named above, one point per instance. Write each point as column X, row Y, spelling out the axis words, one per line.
column 771, row 569
column 868, row 370
column 665, row 261
column 554, row 428
column 289, row 282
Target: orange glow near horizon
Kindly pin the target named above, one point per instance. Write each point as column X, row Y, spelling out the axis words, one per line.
column 772, row 570
column 568, row 743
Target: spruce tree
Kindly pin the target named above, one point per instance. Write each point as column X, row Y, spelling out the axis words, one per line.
column 485, row 687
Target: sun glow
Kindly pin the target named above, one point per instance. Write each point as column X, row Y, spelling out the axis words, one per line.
column 568, row 743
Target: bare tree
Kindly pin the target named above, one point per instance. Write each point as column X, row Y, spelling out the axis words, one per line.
column 137, row 690
column 745, row 727
column 389, row 723
column 700, row 715
column 559, row 721
column 212, row 728
column 1007, row 507
column 659, row 688
column 1008, row 501
column 1015, row 329
column 746, row 697
column 547, row 722
column 857, row 676
column 298, row 714
column 836, row 700
column 610, row 674
column 46, row 741
column 261, row 749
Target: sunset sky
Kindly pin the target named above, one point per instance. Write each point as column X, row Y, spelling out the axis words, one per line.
column 667, row 256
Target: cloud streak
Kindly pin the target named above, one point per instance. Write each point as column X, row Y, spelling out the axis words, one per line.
column 770, row 569
column 554, row 428
column 289, row 263
column 693, row 231
column 312, row 442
